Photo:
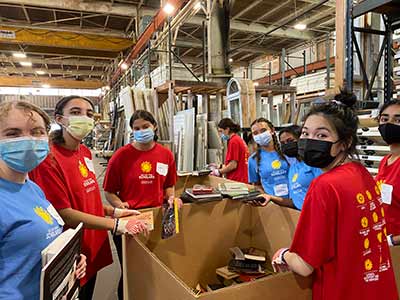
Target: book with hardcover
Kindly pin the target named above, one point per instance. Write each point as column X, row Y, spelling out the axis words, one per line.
column 212, row 194
column 59, row 261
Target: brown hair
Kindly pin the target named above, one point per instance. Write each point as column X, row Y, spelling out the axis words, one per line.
column 228, row 123
column 56, row 137
column 27, row 107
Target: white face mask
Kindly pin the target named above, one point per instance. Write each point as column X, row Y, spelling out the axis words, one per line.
column 79, row 126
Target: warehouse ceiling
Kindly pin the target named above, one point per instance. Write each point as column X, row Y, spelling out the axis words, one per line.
column 74, row 43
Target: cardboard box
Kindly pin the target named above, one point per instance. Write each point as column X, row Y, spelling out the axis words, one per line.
column 156, row 269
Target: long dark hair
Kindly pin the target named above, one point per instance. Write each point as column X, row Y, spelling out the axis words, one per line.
column 228, row 123
column 340, row 113
column 144, row 115
column 294, row 130
column 56, row 137
column 277, row 146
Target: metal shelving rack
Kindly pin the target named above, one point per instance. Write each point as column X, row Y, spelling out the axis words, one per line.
column 390, row 12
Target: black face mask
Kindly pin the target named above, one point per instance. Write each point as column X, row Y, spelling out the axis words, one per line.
column 290, row 149
column 316, row 153
column 390, row 133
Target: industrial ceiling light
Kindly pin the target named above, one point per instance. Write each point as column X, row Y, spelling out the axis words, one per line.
column 46, row 86
column 124, row 66
column 231, row 60
column 25, row 63
column 300, row 26
column 40, row 72
column 256, row 84
column 19, row 55
column 168, row 8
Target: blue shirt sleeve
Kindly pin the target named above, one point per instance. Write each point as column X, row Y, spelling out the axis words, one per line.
column 254, row 176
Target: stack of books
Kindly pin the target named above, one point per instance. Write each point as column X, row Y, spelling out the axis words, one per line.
column 247, row 261
column 238, row 191
column 201, row 193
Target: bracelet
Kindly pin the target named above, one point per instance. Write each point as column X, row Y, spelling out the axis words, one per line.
column 115, row 229
column 283, row 255
column 390, row 240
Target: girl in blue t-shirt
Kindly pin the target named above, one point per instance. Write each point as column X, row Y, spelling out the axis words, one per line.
column 268, row 167
column 300, row 175
column 28, row 222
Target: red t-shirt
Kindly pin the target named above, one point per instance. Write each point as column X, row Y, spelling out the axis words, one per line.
column 68, row 181
column 342, row 234
column 391, row 175
column 237, row 150
column 140, row 177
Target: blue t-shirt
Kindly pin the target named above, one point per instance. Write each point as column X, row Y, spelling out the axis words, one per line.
column 300, row 177
column 27, row 226
column 272, row 173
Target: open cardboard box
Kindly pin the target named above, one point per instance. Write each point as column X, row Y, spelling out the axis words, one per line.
column 156, row 269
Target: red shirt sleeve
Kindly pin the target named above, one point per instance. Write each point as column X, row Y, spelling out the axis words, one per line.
column 315, row 237
column 50, row 179
column 233, row 152
column 112, row 180
column 171, row 179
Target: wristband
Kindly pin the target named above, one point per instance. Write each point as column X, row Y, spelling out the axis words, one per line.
column 282, row 257
column 390, row 240
column 116, row 223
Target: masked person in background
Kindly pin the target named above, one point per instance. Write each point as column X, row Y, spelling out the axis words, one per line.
column 341, row 234
column 300, row 174
column 388, row 177
column 237, row 155
column 268, row 167
column 141, row 174
column 68, row 180
column 28, row 222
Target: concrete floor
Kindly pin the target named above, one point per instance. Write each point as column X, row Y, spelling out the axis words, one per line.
column 107, row 279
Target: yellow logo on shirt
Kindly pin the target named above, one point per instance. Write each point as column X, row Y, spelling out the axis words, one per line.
column 295, row 176
column 146, row 167
column 83, row 169
column 378, row 187
column 276, row 164
column 369, row 196
column 379, row 237
column 366, row 243
column 43, row 214
column 368, row 265
column 360, row 198
column 364, row 222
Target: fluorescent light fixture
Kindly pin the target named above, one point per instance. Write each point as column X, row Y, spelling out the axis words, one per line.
column 40, row 72
column 300, row 26
column 107, row 87
column 19, row 55
column 25, row 63
column 46, row 86
column 256, row 84
column 231, row 60
column 124, row 66
column 168, row 8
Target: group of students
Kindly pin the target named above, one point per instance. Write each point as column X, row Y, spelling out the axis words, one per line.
column 348, row 219
column 275, row 168
column 48, row 183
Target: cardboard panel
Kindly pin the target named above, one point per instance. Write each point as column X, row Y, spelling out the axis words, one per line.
column 273, row 227
column 208, row 230
column 395, row 252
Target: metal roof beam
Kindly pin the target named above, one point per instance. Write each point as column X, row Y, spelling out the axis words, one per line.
column 56, row 61
column 10, row 70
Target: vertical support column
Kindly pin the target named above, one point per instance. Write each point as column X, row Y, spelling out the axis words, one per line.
column 270, row 106
column 190, row 99
column 283, row 58
column 155, row 105
column 219, row 100
column 349, row 45
column 388, row 72
column 328, row 61
column 169, row 48
column 270, row 73
column 305, row 62
column 292, row 107
column 204, row 50
column 340, row 38
column 171, row 99
column 258, row 105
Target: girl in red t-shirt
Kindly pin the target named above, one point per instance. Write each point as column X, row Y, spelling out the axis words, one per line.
column 341, row 234
column 237, row 154
column 141, row 174
column 388, row 177
column 68, row 180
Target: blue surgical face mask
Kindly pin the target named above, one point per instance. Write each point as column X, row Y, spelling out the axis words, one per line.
column 224, row 137
column 25, row 153
column 263, row 139
column 143, row 136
